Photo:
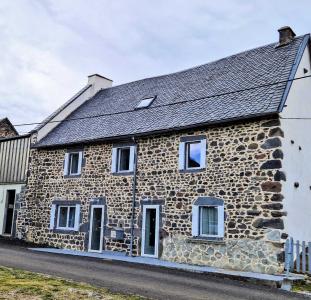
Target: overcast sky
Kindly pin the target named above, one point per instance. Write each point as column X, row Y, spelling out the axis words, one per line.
column 49, row 47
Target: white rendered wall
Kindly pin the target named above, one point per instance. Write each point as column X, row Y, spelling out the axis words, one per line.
column 3, row 198
column 297, row 163
column 95, row 82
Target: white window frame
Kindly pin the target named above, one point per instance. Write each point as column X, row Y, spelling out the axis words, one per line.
column 183, row 154
column 68, row 163
column 115, row 164
column 146, row 102
column 197, row 221
column 201, row 224
column 101, row 229
column 187, row 147
column 119, row 159
column 68, row 211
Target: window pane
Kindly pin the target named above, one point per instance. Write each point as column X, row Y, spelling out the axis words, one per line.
column 72, row 213
column 74, row 162
column 96, row 234
column 124, row 159
column 62, row 217
column 193, row 155
column 209, row 220
column 150, row 231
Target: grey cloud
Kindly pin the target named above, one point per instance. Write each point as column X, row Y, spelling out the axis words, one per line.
column 49, row 47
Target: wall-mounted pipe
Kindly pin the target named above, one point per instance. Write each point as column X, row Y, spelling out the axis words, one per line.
column 133, row 197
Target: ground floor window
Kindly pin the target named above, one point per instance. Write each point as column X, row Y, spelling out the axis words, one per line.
column 208, row 217
column 208, row 220
column 65, row 216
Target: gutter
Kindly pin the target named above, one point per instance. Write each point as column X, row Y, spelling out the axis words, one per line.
column 158, row 132
column 16, row 137
column 133, row 196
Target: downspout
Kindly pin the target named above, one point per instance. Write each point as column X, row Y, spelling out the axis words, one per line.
column 133, row 196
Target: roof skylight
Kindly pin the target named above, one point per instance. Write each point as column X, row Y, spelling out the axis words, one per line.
column 145, row 102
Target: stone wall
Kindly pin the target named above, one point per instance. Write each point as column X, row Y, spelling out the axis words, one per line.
column 243, row 169
column 240, row 254
column 6, row 129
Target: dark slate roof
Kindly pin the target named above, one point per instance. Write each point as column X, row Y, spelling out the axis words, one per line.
column 185, row 99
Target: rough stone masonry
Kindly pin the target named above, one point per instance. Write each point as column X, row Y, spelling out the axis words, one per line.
column 243, row 168
column 6, row 129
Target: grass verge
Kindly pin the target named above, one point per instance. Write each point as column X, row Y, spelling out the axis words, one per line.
column 302, row 287
column 17, row 284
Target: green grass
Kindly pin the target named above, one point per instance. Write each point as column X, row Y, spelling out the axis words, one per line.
column 302, row 286
column 16, row 284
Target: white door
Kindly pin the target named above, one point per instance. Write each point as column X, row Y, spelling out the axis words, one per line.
column 150, row 231
column 96, row 233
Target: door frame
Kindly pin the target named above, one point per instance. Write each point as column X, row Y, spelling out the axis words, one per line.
column 157, row 230
column 101, row 230
column 5, row 213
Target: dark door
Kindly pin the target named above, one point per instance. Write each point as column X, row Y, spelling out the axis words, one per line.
column 150, row 231
column 9, row 211
column 96, row 229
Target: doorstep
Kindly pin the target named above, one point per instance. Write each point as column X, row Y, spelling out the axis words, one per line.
column 119, row 256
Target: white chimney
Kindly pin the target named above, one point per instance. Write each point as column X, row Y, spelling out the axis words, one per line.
column 95, row 83
column 98, row 82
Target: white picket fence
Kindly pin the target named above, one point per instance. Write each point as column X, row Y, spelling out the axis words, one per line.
column 297, row 256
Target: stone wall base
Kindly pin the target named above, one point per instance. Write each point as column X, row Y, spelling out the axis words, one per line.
column 237, row 254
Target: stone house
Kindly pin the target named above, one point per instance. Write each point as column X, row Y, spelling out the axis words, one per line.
column 206, row 166
column 7, row 129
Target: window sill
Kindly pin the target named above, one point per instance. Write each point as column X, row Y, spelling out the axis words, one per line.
column 206, row 240
column 72, row 176
column 129, row 173
column 65, row 231
column 192, row 170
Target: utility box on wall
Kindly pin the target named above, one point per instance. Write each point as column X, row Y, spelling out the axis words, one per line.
column 117, row 233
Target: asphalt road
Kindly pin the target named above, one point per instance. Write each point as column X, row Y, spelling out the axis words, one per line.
column 151, row 282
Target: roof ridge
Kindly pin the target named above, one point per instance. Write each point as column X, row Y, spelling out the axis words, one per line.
column 201, row 65
column 252, row 71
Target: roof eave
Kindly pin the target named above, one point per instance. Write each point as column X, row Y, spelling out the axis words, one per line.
column 162, row 131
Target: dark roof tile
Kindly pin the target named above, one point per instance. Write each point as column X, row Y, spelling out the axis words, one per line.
column 184, row 99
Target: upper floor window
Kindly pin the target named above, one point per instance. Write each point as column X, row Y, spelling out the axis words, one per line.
column 73, row 163
column 192, row 153
column 123, row 159
column 208, row 217
column 123, row 163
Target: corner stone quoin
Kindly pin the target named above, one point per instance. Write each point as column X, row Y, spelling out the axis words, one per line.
column 272, row 143
column 271, row 164
column 271, row 186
